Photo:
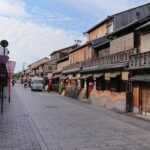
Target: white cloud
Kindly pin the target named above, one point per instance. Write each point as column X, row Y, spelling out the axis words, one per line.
column 41, row 14
column 13, row 8
column 30, row 42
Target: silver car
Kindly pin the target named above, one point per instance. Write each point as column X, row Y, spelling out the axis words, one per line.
column 37, row 84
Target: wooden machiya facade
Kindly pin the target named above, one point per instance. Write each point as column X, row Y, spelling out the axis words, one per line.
column 139, row 67
column 101, row 67
column 36, row 68
column 73, row 70
column 58, row 78
column 61, row 58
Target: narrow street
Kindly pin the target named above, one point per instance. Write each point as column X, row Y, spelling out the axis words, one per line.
column 48, row 121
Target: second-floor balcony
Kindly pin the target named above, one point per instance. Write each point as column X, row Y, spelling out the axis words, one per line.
column 73, row 66
column 139, row 61
column 117, row 60
column 110, row 59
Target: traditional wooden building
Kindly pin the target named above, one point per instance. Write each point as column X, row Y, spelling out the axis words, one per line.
column 49, row 67
column 27, row 72
column 61, row 58
column 36, row 68
column 110, row 44
column 73, row 70
column 139, row 67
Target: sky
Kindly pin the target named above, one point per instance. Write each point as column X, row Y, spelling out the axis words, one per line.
column 36, row 28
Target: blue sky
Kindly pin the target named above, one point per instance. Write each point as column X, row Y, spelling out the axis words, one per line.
column 70, row 16
column 58, row 14
column 35, row 28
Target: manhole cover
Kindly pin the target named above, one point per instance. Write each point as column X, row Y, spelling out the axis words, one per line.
column 51, row 106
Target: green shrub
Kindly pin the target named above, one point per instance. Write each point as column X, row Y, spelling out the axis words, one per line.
column 61, row 88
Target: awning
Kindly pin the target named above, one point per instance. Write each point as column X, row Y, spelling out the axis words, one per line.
column 142, row 78
column 98, row 75
column 100, row 42
column 105, row 67
column 73, row 78
column 71, row 71
column 55, row 77
column 115, row 74
column 57, row 71
column 86, row 76
column 90, row 69
column 64, row 78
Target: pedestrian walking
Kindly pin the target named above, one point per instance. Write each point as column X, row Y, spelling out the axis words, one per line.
column 25, row 83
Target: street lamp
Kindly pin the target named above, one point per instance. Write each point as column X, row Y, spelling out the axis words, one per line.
column 4, row 44
column 10, row 66
column 3, row 59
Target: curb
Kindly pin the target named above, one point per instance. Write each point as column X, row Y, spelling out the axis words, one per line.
column 138, row 117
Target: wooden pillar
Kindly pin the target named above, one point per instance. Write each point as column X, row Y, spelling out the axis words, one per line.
column 85, row 84
column 136, row 98
column 79, row 84
column 94, row 84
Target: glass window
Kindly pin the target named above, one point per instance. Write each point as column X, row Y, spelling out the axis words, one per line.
column 110, row 27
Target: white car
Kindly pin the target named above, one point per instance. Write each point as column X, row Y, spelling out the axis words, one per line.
column 37, row 84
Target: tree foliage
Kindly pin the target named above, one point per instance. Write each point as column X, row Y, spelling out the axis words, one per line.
column 17, row 75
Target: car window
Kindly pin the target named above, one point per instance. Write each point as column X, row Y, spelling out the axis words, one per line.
column 38, row 81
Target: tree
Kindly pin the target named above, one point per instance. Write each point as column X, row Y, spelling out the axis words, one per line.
column 17, row 75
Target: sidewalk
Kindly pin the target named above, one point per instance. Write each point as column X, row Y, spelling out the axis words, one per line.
column 140, row 116
column 15, row 130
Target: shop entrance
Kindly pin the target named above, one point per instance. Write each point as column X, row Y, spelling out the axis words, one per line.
column 145, row 100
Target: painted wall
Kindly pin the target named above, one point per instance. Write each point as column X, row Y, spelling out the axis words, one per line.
column 109, row 100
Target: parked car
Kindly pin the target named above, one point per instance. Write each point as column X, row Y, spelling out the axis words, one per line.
column 37, row 84
column 18, row 81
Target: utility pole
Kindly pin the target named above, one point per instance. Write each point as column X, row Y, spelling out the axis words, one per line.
column 77, row 41
column 23, row 66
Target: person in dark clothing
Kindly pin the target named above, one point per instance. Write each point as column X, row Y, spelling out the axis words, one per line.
column 25, row 83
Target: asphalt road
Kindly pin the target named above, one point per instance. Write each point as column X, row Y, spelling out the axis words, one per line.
column 62, row 123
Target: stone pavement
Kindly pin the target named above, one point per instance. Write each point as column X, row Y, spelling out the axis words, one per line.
column 47, row 121
column 15, row 130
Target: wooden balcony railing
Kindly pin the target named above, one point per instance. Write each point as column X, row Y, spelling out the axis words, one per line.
column 110, row 59
column 140, row 60
column 73, row 66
